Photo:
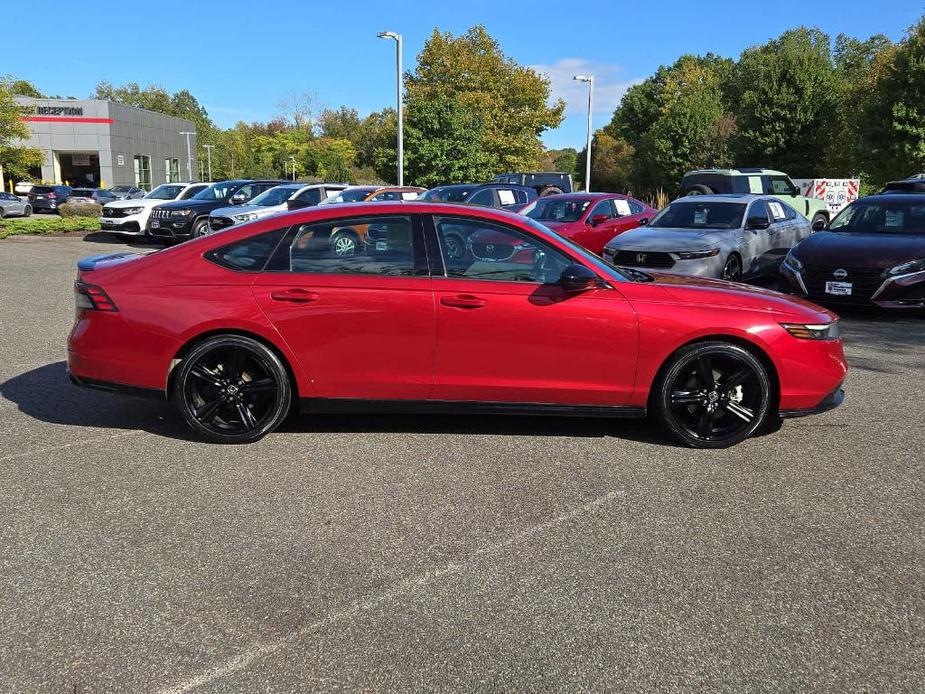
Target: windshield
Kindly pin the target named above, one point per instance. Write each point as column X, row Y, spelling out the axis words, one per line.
column 618, row 274
column 121, row 189
column 217, row 191
column 274, row 196
column 349, row 195
column 166, row 191
column 883, row 217
column 700, row 215
column 549, row 210
column 447, row 194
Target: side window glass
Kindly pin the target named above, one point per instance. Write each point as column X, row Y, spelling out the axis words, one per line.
column 483, row 197
column 758, row 209
column 780, row 186
column 312, row 196
column 635, row 207
column 386, row 195
column 359, row 246
column 776, row 208
column 245, row 191
column 479, row 250
column 248, row 255
column 604, row 207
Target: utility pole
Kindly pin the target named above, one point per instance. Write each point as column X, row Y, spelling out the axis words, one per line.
column 590, row 80
column 209, row 157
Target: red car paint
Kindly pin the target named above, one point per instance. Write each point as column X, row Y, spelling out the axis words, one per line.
column 586, row 231
column 421, row 337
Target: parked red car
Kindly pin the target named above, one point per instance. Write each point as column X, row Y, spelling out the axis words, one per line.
column 590, row 219
column 236, row 327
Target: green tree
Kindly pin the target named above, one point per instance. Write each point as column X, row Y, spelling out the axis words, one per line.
column 15, row 159
column 469, row 77
column 24, row 88
column 892, row 117
column 784, row 94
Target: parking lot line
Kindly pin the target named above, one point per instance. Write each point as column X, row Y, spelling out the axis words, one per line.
column 408, row 585
column 81, row 442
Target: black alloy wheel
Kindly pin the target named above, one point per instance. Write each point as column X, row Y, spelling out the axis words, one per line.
column 713, row 395
column 732, row 270
column 232, row 389
column 200, row 226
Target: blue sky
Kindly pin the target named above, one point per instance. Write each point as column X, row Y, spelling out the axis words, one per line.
column 242, row 58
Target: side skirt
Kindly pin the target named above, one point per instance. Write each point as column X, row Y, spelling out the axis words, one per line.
column 354, row 405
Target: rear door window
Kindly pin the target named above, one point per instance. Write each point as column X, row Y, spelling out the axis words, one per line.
column 483, row 197
column 250, row 254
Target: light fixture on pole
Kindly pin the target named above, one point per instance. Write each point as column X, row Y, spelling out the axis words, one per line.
column 189, row 156
column 292, row 159
column 209, row 157
column 590, row 80
column 398, row 90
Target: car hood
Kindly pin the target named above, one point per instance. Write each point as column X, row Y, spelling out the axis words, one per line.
column 854, row 249
column 710, row 292
column 668, row 239
column 139, row 202
column 191, row 204
column 259, row 210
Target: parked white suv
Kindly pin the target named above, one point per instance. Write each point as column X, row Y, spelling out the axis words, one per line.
column 130, row 217
column 288, row 196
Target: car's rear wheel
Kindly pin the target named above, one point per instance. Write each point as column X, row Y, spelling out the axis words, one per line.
column 712, row 395
column 232, row 389
column 28, row 211
column 732, row 270
column 699, row 189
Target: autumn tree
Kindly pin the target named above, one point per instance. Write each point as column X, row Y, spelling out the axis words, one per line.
column 15, row 159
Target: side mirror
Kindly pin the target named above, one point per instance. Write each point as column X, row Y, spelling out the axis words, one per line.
column 794, row 193
column 820, row 225
column 599, row 219
column 757, row 223
column 238, row 199
column 577, row 278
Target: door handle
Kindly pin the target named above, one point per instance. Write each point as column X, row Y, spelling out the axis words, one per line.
column 463, row 301
column 295, row 295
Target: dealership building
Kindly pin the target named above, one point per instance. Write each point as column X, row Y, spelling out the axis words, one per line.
column 94, row 143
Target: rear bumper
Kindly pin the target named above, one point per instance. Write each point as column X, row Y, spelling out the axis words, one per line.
column 111, row 387
column 829, row 402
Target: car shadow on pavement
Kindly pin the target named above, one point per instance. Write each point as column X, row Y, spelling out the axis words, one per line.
column 116, row 239
column 46, row 395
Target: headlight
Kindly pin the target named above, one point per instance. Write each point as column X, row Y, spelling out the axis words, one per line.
column 246, row 217
column 906, row 268
column 813, row 331
column 132, row 210
column 180, row 213
column 793, row 262
column 691, row 255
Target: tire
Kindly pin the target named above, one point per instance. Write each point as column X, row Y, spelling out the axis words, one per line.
column 732, row 270
column 232, row 389
column 819, row 221
column 199, row 226
column 2, row 213
column 699, row 189
column 28, row 211
column 550, row 190
column 345, row 243
column 712, row 395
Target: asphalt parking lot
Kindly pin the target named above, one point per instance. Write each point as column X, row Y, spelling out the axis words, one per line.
column 443, row 554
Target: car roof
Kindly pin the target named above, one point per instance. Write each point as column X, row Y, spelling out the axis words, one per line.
column 724, row 197
column 893, row 196
column 743, row 171
column 585, row 196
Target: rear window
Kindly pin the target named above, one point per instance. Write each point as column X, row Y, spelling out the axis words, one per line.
column 247, row 255
column 42, row 189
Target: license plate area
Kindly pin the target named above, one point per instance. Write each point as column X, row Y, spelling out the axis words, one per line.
column 155, row 224
column 838, row 288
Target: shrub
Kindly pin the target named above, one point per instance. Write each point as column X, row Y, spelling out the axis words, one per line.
column 46, row 225
column 80, row 209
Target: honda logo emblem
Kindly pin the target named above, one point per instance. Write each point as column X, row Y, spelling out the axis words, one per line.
column 840, row 274
column 640, row 257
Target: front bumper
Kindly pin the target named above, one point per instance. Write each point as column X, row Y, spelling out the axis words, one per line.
column 868, row 286
column 124, row 225
column 829, row 402
column 170, row 228
column 711, row 268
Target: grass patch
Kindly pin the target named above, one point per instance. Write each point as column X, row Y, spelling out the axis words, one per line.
column 47, row 225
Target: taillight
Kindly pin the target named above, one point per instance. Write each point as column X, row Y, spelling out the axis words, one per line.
column 52, row 195
column 92, row 298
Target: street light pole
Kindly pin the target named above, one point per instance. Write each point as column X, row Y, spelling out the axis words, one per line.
column 398, row 93
column 189, row 156
column 209, row 157
column 590, row 80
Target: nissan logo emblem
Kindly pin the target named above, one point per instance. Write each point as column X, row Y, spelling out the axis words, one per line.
column 840, row 274
column 640, row 257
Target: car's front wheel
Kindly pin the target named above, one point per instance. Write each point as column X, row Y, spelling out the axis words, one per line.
column 712, row 395
column 732, row 270
column 200, row 227
column 232, row 389
column 28, row 211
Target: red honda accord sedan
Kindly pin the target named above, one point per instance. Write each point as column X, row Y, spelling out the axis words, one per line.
column 238, row 327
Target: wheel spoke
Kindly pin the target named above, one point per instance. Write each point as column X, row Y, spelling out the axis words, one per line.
column 705, row 423
column 261, row 385
column 685, row 397
column 741, row 411
column 234, row 367
column 705, row 372
column 205, row 374
column 736, row 379
column 247, row 417
column 206, row 413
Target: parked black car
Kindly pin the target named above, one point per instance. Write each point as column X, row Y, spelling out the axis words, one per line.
column 48, row 198
column 500, row 195
column 183, row 219
column 873, row 252
column 543, row 182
